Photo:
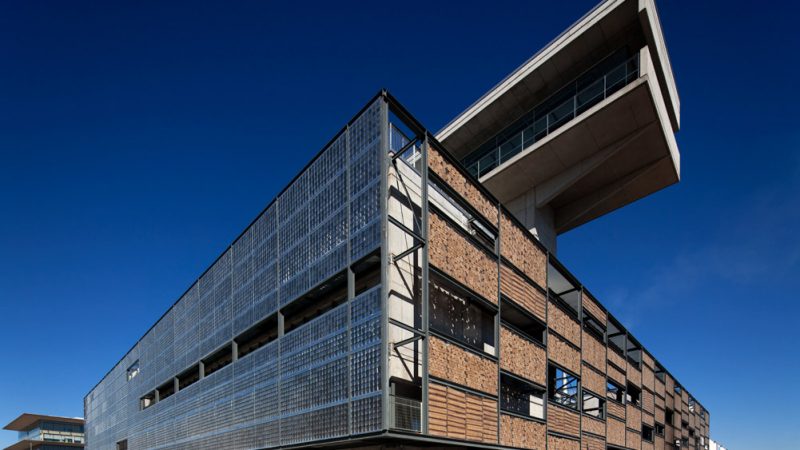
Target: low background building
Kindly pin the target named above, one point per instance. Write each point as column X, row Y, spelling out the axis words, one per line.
column 42, row 432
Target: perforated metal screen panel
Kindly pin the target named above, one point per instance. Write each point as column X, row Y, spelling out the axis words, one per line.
column 321, row 380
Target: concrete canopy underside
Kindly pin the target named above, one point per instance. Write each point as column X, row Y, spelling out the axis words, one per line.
column 613, row 154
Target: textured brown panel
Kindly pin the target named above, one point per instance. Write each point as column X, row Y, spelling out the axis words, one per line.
column 616, row 432
column 634, row 375
column 633, row 439
column 634, row 418
column 522, row 357
column 593, row 425
column 521, row 433
column 451, row 362
column 564, row 325
column 659, row 443
column 516, row 244
column 670, row 402
column 452, row 253
column 593, row 443
column 562, row 420
column 560, row 443
column 616, row 374
column 660, row 388
column 564, row 354
column 594, row 352
column 460, row 415
column 660, row 414
column 615, row 409
column 648, row 419
column 670, row 384
column 521, row 292
column 594, row 309
column 462, row 185
column 648, row 401
column 616, row 358
column 648, row 378
column 647, row 446
column 593, row 381
column 648, row 360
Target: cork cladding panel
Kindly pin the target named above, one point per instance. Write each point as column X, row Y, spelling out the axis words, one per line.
column 564, row 325
column 616, row 358
column 648, row 418
column 452, row 363
column 460, row 415
column 634, row 375
column 454, row 254
column 594, row 352
column 522, row 357
column 516, row 244
column 562, row 420
column 648, row 360
column 648, row 378
column 633, row 439
column 560, row 443
column 615, row 409
column 521, row 433
column 462, row 185
column 593, row 308
column 521, row 292
column 593, row 443
column 634, row 417
column 660, row 414
column 593, row 381
column 616, row 374
column 648, row 401
column 647, row 446
column 593, row 425
column 659, row 443
column 563, row 354
column 616, row 432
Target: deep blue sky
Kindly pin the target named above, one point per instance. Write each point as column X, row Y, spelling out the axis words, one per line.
column 137, row 141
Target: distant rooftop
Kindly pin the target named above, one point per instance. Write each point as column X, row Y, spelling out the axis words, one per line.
column 27, row 421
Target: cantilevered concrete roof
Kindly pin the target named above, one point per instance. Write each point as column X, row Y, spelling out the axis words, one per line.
column 559, row 62
column 27, row 421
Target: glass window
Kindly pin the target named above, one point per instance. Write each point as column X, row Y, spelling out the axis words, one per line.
column 594, row 405
column 634, row 395
column 520, row 397
column 521, row 321
column 459, row 315
column 133, row 370
column 563, row 387
column 615, row 392
column 647, row 433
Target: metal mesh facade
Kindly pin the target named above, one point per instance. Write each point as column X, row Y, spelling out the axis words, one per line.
column 322, row 379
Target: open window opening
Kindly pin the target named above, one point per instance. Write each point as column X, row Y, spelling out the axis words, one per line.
column 450, row 205
column 593, row 327
column 407, row 400
column 678, row 389
column 217, row 360
column 189, row 377
column 328, row 295
column 634, row 352
column 617, row 338
column 147, row 400
column 669, row 416
column 594, row 405
column 522, row 321
column 615, row 392
column 633, row 395
column 660, row 373
column 257, row 336
column 691, row 403
column 133, row 370
column 563, row 387
column 520, row 397
column 166, row 390
column 122, row 445
column 647, row 433
column 367, row 272
column 456, row 313
column 659, row 429
column 564, row 290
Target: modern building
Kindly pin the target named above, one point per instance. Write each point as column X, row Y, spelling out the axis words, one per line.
column 713, row 445
column 404, row 288
column 39, row 432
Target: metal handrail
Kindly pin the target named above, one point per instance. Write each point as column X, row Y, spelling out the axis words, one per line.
column 613, row 80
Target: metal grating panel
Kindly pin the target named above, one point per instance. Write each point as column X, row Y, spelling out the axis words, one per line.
column 294, row 389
